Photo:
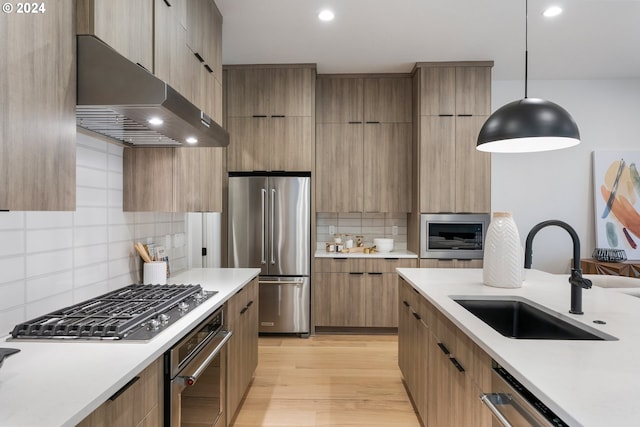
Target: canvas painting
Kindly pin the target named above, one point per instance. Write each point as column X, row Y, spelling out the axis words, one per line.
column 617, row 200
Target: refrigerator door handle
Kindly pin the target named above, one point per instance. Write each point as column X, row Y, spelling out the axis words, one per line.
column 271, row 237
column 263, row 258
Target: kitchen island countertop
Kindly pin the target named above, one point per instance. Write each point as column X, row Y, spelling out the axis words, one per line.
column 56, row 383
column 586, row 383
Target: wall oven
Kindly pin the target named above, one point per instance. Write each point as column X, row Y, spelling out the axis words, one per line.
column 195, row 376
column 453, row 236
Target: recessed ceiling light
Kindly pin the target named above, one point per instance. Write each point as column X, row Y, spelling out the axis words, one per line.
column 326, row 15
column 552, row 11
column 192, row 140
column 155, row 121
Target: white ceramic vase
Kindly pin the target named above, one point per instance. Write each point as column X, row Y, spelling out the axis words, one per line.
column 503, row 264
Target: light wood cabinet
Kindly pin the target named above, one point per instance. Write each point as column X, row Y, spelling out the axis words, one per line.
column 445, row 371
column 455, row 90
column 37, row 117
column 371, row 174
column 242, row 348
column 172, row 179
column 188, row 53
column 454, row 103
column 270, row 118
column 125, row 25
column 339, row 172
column 139, row 403
column 357, row 292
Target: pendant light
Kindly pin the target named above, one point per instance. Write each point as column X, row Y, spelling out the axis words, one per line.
column 529, row 124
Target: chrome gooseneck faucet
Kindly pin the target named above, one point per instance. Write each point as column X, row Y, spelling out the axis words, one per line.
column 577, row 281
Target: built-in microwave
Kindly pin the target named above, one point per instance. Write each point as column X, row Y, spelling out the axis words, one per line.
column 453, row 236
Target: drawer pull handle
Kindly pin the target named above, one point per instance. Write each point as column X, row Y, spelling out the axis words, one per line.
column 406, row 304
column 124, row 388
column 250, row 303
column 375, row 274
column 355, row 123
column 416, row 315
column 444, row 348
column 457, row 364
column 200, row 58
column 244, row 309
column 209, row 69
column 358, row 273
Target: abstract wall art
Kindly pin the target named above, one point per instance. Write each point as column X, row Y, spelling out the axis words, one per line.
column 617, row 200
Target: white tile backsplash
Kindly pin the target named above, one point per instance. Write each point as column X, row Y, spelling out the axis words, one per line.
column 49, row 260
column 369, row 225
column 52, row 284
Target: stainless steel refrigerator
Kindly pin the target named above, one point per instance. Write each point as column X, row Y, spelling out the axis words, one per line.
column 270, row 229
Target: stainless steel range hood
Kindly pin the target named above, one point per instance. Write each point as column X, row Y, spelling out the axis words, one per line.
column 117, row 98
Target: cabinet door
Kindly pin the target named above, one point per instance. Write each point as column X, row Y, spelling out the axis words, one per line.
column 473, row 168
column 405, row 340
column 387, row 100
column 381, row 301
column 171, row 54
column 339, row 299
column 248, row 139
column 198, row 179
column 291, row 91
column 37, row 117
column 437, row 164
column 148, row 179
column 438, row 91
column 125, row 25
column 292, row 143
column 339, row 170
column 248, row 92
column 387, row 167
column 473, row 90
column 339, row 100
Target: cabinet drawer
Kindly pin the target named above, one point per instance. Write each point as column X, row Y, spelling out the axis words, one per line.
column 339, row 265
column 389, row 265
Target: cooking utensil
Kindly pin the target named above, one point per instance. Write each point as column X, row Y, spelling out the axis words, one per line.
column 6, row 352
column 612, row 196
column 142, row 252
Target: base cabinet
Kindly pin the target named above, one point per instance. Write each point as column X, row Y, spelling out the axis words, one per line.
column 137, row 404
column 444, row 370
column 357, row 292
column 242, row 348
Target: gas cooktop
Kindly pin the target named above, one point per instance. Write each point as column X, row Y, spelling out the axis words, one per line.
column 135, row 312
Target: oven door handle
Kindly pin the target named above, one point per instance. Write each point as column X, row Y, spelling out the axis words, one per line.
column 189, row 380
column 487, row 399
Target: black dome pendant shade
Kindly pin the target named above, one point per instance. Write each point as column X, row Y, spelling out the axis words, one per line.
column 529, row 124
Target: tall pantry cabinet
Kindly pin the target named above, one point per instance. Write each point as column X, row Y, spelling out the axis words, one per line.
column 454, row 101
column 363, row 143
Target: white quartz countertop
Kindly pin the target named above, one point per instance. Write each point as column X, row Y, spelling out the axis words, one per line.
column 392, row 254
column 60, row 383
column 587, row 383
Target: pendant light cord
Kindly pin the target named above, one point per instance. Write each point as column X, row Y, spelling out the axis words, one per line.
column 526, row 45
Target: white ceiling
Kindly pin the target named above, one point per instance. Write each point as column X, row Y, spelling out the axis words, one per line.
column 591, row 39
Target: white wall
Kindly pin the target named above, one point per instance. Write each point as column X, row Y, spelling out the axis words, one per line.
column 559, row 184
column 49, row 260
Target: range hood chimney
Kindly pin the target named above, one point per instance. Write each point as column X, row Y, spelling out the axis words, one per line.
column 117, row 98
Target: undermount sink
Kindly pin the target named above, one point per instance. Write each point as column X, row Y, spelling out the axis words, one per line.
column 521, row 319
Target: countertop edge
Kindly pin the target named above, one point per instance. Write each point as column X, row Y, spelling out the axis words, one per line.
column 359, row 255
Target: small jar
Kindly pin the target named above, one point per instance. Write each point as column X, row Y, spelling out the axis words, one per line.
column 330, row 247
column 339, row 247
column 348, row 241
column 359, row 241
column 337, row 238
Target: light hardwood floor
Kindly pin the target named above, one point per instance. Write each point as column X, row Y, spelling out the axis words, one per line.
column 328, row 381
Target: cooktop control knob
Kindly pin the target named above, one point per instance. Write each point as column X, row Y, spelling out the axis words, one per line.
column 198, row 296
column 154, row 324
column 163, row 318
column 183, row 306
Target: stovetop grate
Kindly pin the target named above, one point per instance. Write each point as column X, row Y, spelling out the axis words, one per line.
column 111, row 315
